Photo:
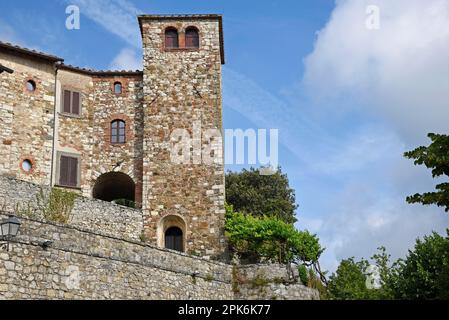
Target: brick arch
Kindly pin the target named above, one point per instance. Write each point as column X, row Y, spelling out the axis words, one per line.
column 32, row 160
column 128, row 129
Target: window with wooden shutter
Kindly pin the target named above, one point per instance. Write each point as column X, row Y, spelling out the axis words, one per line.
column 71, row 102
column 68, row 171
column 171, row 38
column 192, row 38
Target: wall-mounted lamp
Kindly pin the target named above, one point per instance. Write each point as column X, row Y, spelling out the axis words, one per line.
column 9, row 228
column 5, row 69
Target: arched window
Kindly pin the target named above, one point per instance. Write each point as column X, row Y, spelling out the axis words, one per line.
column 192, row 38
column 171, row 38
column 118, row 132
column 118, row 88
column 174, row 239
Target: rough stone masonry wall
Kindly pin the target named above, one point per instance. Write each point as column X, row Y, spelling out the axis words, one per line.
column 85, row 265
column 21, row 198
column 80, row 264
column 89, row 134
column 98, row 256
column 26, row 118
column 269, row 282
column 183, row 87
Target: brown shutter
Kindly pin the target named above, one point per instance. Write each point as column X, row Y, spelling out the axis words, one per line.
column 73, row 172
column 64, row 171
column 76, row 103
column 171, row 39
column 67, row 101
column 192, row 38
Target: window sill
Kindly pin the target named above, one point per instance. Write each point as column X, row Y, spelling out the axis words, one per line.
column 118, row 144
column 181, row 49
column 68, row 187
column 70, row 115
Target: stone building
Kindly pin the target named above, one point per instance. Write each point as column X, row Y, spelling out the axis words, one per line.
column 108, row 134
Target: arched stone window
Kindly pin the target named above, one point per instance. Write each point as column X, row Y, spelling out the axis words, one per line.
column 192, row 38
column 118, row 132
column 172, row 233
column 171, row 38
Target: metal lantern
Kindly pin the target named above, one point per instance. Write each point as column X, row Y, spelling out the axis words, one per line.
column 9, row 227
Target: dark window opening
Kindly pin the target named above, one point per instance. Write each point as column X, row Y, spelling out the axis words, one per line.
column 192, row 38
column 171, row 38
column 118, row 132
column 118, row 88
column 115, row 187
column 174, row 239
column 71, row 102
column 68, row 171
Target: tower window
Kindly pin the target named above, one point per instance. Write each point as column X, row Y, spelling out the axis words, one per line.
column 171, row 38
column 174, row 239
column 118, row 132
column 118, row 89
column 192, row 38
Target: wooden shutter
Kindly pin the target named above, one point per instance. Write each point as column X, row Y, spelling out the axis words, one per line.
column 68, row 171
column 76, row 103
column 71, row 102
column 67, row 101
column 64, row 171
column 171, row 39
column 73, row 172
column 192, row 38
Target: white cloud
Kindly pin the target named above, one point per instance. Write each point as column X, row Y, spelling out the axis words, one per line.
column 118, row 17
column 399, row 72
column 127, row 59
column 364, row 219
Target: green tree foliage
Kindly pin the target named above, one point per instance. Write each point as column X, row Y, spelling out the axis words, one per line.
column 269, row 239
column 435, row 157
column 350, row 281
column 252, row 193
column 424, row 274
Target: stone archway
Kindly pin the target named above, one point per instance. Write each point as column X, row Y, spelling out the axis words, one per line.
column 172, row 233
column 115, row 186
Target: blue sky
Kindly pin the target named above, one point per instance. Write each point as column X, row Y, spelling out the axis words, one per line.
column 347, row 101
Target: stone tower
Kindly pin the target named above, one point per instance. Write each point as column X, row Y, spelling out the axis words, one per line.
column 182, row 91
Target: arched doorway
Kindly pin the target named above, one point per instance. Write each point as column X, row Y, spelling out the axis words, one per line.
column 174, row 239
column 115, row 186
column 172, row 233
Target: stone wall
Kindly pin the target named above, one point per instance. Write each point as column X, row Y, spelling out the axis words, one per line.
column 80, row 264
column 95, row 215
column 52, row 261
column 26, row 118
column 89, row 134
column 270, row 282
column 182, row 91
